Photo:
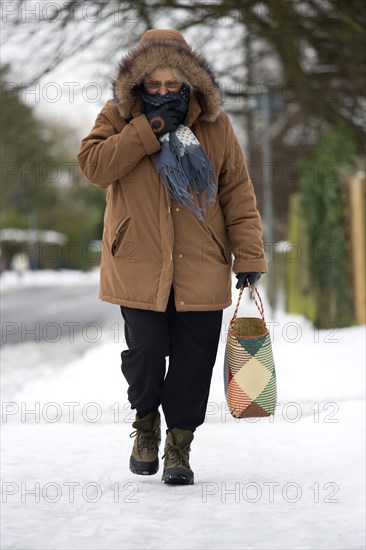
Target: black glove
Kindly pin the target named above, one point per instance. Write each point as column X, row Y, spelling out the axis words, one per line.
column 253, row 277
column 165, row 118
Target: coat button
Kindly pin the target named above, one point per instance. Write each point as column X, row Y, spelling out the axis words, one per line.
column 177, row 209
column 181, row 303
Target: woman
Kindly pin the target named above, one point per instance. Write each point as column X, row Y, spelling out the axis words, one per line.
column 179, row 203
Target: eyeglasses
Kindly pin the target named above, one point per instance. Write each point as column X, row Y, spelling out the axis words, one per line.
column 172, row 85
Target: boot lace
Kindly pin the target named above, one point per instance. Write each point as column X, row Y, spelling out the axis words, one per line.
column 176, row 455
column 146, row 439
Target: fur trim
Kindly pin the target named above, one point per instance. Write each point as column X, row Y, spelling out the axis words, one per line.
column 165, row 52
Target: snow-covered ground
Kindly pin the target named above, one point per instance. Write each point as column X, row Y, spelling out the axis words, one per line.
column 291, row 481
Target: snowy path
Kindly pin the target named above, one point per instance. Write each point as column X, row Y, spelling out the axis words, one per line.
column 295, row 481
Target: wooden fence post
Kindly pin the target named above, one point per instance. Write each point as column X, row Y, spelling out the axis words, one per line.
column 357, row 235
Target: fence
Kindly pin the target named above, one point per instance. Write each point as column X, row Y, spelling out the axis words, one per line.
column 299, row 296
column 355, row 232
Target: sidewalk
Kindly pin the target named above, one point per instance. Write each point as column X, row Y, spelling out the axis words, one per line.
column 292, row 481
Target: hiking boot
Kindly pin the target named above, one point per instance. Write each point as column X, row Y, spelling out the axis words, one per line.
column 177, row 470
column 144, row 459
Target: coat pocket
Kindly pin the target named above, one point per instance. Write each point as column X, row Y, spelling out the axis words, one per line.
column 224, row 250
column 119, row 234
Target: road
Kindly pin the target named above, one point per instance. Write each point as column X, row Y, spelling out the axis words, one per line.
column 54, row 313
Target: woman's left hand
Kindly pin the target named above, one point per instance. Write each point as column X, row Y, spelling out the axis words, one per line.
column 253, row 277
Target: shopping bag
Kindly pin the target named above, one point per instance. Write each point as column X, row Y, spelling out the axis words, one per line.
column 249, row 369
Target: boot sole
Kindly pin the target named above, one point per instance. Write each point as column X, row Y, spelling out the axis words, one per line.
column 175, row 476
column 144, row 468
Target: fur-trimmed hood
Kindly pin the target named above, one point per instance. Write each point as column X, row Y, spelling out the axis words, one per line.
column 165, row 48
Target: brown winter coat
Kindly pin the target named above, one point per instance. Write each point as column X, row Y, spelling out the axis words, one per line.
column 149, row 241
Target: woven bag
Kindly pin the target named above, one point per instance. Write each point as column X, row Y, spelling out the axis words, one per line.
column 249, row 370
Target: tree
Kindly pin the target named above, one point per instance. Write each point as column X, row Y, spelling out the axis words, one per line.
column 314, row 49
column 40, row 189
column 323, row 207
column 28, row 164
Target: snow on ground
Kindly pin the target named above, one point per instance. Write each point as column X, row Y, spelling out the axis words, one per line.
column 291, row 481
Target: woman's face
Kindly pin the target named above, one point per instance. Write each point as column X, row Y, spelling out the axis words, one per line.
column 162, row 81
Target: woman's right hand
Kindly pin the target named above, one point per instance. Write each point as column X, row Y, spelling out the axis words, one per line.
column 164, row 118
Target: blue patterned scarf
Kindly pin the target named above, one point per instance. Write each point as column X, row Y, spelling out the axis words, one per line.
column 181, row 161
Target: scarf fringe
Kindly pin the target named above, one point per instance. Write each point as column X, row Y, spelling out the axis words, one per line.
column 181, row 161
column 180, row 194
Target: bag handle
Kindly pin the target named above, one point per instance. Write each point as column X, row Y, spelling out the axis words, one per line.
column 260, row 307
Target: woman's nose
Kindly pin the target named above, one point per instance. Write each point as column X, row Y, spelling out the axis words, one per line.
column 163, row 90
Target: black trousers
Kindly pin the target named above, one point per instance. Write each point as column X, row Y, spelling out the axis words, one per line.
column 191, row 340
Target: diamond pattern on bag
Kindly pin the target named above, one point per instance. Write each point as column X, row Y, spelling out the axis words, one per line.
column 237, row 356
column 237, row 398
column 254, row 377
column 252, row 345
column 268, row 396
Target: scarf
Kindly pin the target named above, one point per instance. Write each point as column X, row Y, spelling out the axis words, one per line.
column 181, row 161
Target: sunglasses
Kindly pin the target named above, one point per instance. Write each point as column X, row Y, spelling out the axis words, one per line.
column 172, row 85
